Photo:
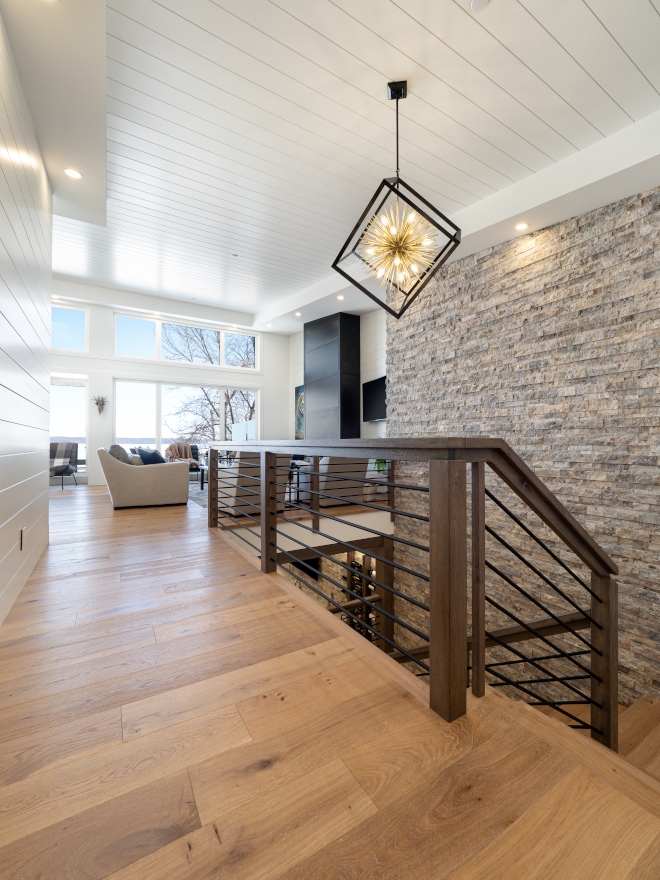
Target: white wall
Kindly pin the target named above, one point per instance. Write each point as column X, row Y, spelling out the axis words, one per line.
column 373, row 343
column 101, row 367
column 25, row 265
column 296, row 377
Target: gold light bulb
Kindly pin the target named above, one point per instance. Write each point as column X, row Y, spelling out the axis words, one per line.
column 398, row 246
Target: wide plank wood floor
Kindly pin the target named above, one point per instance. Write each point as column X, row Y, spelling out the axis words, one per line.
column 167, row 711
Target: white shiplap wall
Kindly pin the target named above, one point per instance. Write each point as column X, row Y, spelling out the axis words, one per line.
column 373, row 340
column 25, row 279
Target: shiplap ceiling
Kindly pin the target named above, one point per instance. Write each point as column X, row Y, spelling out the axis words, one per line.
column 244, row 138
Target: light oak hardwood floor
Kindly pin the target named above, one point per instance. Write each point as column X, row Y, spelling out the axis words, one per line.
column 167, row 711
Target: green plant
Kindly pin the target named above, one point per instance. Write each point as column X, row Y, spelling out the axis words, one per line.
column 100, row 401
column 380, row 464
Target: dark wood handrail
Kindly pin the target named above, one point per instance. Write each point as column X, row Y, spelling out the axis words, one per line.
column 493, row 450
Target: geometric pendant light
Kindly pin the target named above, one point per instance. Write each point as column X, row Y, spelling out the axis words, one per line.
column 400, row 240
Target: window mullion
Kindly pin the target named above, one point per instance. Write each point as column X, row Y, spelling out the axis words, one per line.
column 159, row 415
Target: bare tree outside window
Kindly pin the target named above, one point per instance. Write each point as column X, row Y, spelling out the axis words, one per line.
column 239, row 407
column 240, row 351
column 196, row 416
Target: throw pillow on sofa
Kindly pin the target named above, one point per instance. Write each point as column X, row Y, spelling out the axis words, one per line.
column 118, row 452
column 135, row 459
column 151, row 456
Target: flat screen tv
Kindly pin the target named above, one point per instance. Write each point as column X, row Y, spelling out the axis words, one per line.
column 373, row 401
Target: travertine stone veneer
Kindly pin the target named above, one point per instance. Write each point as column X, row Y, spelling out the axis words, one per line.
column 551, row 341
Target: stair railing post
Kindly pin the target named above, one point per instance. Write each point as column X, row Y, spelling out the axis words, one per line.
column 606, row 663
column 268, row 511
column 448, row 588
column 212, row 489
column 314, row 486
column 478, row 645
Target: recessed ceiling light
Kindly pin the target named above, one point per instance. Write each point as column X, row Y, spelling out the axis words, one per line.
column 268, row 325
column 71, row 172
column 298, row 314
column 478, row 5
column 522, row 226
column 340, row 297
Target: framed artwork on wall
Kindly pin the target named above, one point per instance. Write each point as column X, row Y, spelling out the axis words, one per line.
column 299, row 410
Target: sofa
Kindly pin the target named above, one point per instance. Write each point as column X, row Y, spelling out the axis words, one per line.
column 151, row 485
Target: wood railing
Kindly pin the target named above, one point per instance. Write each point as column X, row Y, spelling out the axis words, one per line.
column 416, row 532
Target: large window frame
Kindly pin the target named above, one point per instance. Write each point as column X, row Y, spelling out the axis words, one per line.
column 200, row 325
column 77, row 380
column 58, row 304
column 160, row 383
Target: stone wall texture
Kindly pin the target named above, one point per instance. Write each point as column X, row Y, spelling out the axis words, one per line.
column 550, row 341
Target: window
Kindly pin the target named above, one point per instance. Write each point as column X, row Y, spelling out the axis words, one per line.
column 239, row 414
column 156, row 414
column 135, row 414
column 240, row 351
column 191, row 414
column 194, row 344
column 68, row 329
column 68, row 415
column 135, row 337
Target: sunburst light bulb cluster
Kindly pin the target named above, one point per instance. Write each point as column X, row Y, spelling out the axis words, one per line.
column 398, row 245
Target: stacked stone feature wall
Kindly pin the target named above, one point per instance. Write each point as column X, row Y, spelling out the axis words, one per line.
column 550, row 341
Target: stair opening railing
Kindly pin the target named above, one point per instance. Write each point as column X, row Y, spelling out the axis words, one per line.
column 536, row 576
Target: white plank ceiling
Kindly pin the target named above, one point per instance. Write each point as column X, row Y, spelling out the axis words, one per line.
column 246, row 136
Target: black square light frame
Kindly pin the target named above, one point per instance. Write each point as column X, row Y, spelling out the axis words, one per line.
column 398, row 187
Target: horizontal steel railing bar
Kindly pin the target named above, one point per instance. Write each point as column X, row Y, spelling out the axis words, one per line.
column 353, row 616
column 355, row 525
column 239, row 497
column 243, row 513
column 543, row 702
column 240, row 537
column 332, row 476
column 566, row 703
column 346, row 589
column 541, row 543
column 355, row 571
column 544, row 680
column 543, row 657
column 379, row 507
column 540, row 574
column 350, row 546
column 536, row 665
column 541, row 606
column 242, row 488
column 541, row 637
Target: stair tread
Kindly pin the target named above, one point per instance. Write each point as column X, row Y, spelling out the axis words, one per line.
column 619, row 772
column 637, row 723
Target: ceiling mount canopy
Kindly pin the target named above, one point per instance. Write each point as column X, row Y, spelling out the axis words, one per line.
column 400, row 240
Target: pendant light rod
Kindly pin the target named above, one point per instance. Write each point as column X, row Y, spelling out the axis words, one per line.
column 396, row 91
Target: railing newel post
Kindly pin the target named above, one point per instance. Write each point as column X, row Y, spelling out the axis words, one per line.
column 212, row 489
column 268, row 511
column 605, row 660
column 448, row 587
column 478, row 660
